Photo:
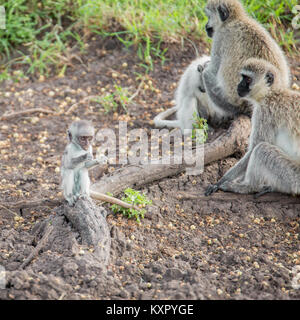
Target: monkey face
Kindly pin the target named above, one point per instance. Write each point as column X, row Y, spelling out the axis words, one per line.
column 244, row 87
column 217, row 15
column 85, row 142
column 209, row 27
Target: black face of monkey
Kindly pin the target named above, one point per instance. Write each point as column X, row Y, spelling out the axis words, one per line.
column 216, row 17
column 244, row 86
column 85, row 141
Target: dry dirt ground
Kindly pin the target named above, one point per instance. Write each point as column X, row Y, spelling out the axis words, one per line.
column 183, row 249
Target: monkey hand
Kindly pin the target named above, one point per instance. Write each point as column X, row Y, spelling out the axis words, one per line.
column 201, row 86
column 211, row 189
column 201, row 69
column 89, row 156
column 264, row 190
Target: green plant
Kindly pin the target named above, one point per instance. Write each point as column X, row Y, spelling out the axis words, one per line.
column 200, row 128
column 107, row 101
column 111, row 101
column 44, row 33
column 121, row 96
column 138, row 200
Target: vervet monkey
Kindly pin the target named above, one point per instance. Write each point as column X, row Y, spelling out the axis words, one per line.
column 76, row 160
column 272, row 162
column 235, row 38
column 188, row 97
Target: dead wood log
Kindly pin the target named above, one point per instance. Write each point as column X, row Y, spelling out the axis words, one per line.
column 80, row 231
column 90, row 221
column 233, row 140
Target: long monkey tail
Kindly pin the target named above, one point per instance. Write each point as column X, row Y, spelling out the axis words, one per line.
column 159, row 120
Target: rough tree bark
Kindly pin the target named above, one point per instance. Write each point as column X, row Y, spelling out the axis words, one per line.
column 89, row 220
column 62, row 229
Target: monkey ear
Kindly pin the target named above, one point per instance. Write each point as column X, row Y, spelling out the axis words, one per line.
column 223, row 12
column 200, row 68
column 270, row 78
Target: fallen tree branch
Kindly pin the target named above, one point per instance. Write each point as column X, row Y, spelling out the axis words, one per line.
column 109, row 199
column 8, row 210
column 229, row 197
column 25, row 112
column 75, row 105
column 35, row 203
column 38, row 248
column 233, row 140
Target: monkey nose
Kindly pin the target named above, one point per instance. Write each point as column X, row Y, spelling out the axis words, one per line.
column 209, row 31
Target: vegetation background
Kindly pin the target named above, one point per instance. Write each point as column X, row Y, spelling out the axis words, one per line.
column 42, row 35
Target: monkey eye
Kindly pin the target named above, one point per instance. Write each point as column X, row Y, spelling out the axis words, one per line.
column 84, row 138
column 247, row 79
column 270, row 78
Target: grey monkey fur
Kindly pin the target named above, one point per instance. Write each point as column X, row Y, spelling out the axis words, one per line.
column 236, row 37
column 272, row 162
column 76, row 160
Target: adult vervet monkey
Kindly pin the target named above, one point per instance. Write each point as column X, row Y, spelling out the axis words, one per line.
column 235, row 38
column 272, row 162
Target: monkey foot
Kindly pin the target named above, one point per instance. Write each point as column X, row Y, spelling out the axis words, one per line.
column 211, row 189
column 263, row 191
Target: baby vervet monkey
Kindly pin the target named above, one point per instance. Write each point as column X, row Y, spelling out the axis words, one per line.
column 272, row 163
column 189, row 99
column 76, row 160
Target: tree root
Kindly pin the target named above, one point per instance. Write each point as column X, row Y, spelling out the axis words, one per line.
column 24, row 113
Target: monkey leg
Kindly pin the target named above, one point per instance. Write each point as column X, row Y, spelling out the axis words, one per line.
column 236, row 187
column 269, row 170
column 232, row 174
column 187, row 112
column 84, row 182
column 68, row 186
column 262, row 192
column 270, row 166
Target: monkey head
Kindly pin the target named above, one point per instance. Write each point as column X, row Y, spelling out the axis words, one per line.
column 81, row 133
column 258, row 77
column 220, row 12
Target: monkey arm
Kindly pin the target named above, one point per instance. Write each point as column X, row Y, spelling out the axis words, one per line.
column 74, row 162
column 216, row 93
column 95, row 162
column 91, row 163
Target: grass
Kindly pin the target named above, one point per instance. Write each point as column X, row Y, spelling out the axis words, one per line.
column 135, row 198
column 110, row 101
column 200, row 128
column 41, row 34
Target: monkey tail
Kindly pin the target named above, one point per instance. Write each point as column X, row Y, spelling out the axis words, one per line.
column 159, row 120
